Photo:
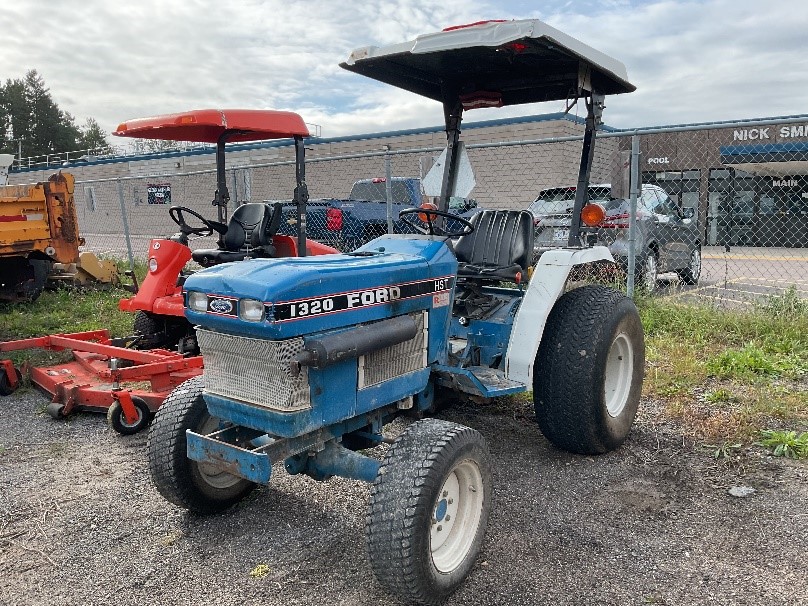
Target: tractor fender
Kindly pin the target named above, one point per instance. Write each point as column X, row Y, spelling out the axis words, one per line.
column 545, row 287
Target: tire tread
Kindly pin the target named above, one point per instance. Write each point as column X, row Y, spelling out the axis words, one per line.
column 566, row 373
column 398, row 497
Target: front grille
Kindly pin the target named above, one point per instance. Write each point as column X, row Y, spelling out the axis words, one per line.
column 397, row 360
column 255, row 371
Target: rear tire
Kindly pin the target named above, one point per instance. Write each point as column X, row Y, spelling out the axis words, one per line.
column 195, row 486
column 648, row 272
column 41, row 269
column 589, row 370
column 690, row 275
column 429, row 510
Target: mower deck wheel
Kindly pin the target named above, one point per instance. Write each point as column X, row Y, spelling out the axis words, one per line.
column 56, row 410
column 5, row 385
column 117, row 419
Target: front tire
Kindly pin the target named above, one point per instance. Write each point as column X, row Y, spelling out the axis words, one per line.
column 151, row 331
column 428, row 510
column 195, row 486
column 589, row 370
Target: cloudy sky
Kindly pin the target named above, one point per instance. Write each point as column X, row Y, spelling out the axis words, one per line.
column 691, row 61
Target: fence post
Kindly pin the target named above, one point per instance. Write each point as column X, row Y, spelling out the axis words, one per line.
column 125, row 220
column 388, row 187
column 632, row 217
column 234, row 195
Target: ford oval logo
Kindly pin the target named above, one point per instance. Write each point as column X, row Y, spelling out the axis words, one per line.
column 221, row 306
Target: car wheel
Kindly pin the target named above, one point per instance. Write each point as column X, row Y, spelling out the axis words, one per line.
column 648, row 272
column 690, row 275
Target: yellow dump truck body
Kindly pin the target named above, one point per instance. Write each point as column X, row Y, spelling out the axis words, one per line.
column 38, row 226
column 40, row 218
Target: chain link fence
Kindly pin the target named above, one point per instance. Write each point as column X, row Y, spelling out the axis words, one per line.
column 719, row 214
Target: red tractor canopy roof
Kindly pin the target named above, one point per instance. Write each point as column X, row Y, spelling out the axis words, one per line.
column 207, row 125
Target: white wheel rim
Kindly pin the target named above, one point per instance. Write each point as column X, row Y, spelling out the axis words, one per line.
column 695, row 264
column 456, row 516
column 619, row 372
column 212, row 475
column 650, row 272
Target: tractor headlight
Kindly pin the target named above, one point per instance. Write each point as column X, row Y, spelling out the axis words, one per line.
column 251, row 310
column 198, row 301
column 152, row 264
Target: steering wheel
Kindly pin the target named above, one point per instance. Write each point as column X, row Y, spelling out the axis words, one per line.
column 176, row 214
column 426, row 215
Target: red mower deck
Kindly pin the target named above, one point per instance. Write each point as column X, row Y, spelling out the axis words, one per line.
column 102, row 377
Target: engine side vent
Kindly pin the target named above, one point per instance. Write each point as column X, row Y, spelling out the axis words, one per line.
column 396, row 360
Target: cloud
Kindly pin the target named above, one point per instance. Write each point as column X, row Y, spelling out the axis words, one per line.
column 691, row 61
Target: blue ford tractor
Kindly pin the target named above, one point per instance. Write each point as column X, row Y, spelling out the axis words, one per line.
column 308, row 358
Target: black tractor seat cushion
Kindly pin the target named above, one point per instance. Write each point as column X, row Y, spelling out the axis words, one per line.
column 249, row 233
column 500, row 247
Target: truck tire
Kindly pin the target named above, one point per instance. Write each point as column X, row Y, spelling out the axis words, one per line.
column 429, row 510
column 373, row 231
column 41, row 269
column 191, row 485
column 588, row 373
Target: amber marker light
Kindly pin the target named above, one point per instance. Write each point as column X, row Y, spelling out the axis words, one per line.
column 427, row 217
column 592, row 214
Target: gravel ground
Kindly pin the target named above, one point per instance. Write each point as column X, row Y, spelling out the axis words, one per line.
column 652, row 523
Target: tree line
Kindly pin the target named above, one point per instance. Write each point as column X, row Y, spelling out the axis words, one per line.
column 29, row 113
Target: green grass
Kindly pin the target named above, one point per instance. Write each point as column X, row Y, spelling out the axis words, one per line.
column 64, row 310
column 789, row 303
column 725, row 375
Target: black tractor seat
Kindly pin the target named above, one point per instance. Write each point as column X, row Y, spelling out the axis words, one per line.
column 499, row 248
column 249, row 234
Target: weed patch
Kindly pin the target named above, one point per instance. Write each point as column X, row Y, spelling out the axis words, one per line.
column 785, row 443
column 726, row 375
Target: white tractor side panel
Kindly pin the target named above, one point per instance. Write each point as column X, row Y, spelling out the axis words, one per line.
column 543, row 290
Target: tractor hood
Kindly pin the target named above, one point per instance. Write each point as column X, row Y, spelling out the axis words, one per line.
column 311, row 294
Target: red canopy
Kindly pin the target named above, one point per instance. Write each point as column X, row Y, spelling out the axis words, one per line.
column 206, row 125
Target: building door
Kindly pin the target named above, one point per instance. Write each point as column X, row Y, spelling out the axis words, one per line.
column 712, row 218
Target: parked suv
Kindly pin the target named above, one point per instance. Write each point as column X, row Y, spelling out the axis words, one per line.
column 667, row 237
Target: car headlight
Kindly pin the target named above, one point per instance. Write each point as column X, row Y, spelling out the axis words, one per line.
column 251, row 310
column 198, row 301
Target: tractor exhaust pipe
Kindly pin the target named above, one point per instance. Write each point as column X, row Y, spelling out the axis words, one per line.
column 324, row 351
